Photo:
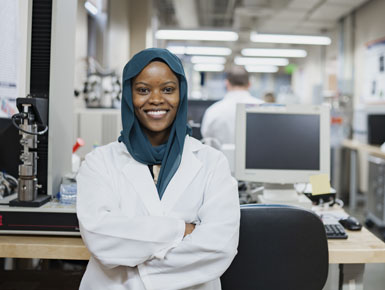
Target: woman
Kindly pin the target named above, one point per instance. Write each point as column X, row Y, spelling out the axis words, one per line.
column 173, row 228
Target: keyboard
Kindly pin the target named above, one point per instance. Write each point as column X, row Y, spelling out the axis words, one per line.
column 335, row 231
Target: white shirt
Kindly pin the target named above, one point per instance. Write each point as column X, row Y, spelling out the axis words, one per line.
column 219, row 119
column 136, row 240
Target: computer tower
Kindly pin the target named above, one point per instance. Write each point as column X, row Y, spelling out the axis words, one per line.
column 376, row 129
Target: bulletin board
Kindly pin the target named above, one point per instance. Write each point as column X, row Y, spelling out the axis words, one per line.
column 8, row 57
column 374, row 74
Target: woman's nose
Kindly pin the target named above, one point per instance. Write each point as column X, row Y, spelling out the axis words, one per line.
column 156, row 97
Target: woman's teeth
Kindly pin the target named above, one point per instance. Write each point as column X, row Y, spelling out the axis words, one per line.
column 157, row 113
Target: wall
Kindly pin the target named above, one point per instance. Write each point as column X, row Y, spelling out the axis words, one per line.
column 307, row 80
column 369, row 26
column 118, row 35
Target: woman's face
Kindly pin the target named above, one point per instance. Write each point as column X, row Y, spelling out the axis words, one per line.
column 155, row 96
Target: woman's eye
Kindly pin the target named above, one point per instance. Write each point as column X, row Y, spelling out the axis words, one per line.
column 142, row 90
column 168, row 90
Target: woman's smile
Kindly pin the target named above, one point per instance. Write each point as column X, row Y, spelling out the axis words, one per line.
column 156, row 114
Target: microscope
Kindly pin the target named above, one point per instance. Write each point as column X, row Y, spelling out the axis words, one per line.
column 31, row 121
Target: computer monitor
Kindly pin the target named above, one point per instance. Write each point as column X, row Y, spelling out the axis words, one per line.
column 281, row 145
column 376, row 132
column 10, row 147
column 195, row 112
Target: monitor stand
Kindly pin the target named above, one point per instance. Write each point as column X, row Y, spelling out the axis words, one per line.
column 274, row 193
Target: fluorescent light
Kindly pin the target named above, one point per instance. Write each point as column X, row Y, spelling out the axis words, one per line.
column 177, row 49
column 197, row 35
column 209, row 67
column 288, row 38
column 274, row 52
column 261, row 68
column 199, row 50
column 91, row 8
column 208, row 59
column 261, row 61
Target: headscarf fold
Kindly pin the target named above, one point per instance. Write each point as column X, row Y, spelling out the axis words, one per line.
column 169, row 154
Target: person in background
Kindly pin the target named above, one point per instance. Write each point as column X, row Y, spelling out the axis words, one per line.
column 219, row 119
column 157, row 209
column 269, row 97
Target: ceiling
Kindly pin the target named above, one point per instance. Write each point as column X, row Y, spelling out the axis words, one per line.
column 315, row 17
column 265, row 16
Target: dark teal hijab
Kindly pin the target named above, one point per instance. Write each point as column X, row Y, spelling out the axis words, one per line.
column 169, row 154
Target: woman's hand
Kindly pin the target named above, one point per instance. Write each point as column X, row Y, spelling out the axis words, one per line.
column 189, row 229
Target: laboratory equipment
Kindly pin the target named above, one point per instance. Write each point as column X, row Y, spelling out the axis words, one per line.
column 47, row 70
column 31, row 122
column 376, row 193
column 282, row 145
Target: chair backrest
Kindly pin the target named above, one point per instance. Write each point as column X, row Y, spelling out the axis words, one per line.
column 280, row 247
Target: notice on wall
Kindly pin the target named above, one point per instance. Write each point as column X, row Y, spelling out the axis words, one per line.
column 374, row 76
column 8, row 57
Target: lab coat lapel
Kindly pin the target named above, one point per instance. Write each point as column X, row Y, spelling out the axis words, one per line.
column 188, row 169
column 140, row 177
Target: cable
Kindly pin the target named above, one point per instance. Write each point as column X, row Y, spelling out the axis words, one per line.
column 22, row 116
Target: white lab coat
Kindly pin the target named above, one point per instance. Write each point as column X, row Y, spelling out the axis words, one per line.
column 136, row 240
column 219, row 119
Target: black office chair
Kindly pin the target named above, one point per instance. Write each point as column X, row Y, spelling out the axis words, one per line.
column 280, row 247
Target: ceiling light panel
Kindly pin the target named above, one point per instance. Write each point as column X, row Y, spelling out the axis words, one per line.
column 260, row 61
column 197, row 35
column 261, row 68
column 208, row 59
column 200, row 50
column 290, row 38
column 209, row 67
column 274, row 52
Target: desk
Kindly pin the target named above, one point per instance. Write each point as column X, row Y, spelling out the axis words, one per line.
column 347, row 258
column 43, row 247
column 360, row 248
column 355, row 146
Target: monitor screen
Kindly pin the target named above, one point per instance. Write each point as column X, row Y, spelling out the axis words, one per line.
column 273, row 141
column 281, row 144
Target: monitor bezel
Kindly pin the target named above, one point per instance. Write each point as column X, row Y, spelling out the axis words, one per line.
column 276, row 175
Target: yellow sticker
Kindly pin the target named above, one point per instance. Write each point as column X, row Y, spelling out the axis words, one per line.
column 320, row 184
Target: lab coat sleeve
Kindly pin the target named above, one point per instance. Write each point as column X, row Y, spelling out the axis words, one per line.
column 206, row 253
column 113, row 237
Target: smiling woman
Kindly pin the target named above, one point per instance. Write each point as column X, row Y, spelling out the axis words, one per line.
column 155, row 95
column 176, row 228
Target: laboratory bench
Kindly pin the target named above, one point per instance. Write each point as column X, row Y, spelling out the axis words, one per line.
column 345, row 256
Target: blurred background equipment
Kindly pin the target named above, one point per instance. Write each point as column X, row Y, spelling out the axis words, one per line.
column 32, row 121
column 102, row 88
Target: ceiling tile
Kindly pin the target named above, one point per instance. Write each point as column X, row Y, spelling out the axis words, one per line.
column 291, row 14
column 330, row 12
column 352, row 3
column 319, row 24
column 302, row 4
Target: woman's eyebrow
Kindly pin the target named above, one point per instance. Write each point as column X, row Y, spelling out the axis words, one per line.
column 141, row 83
column 169, row 82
